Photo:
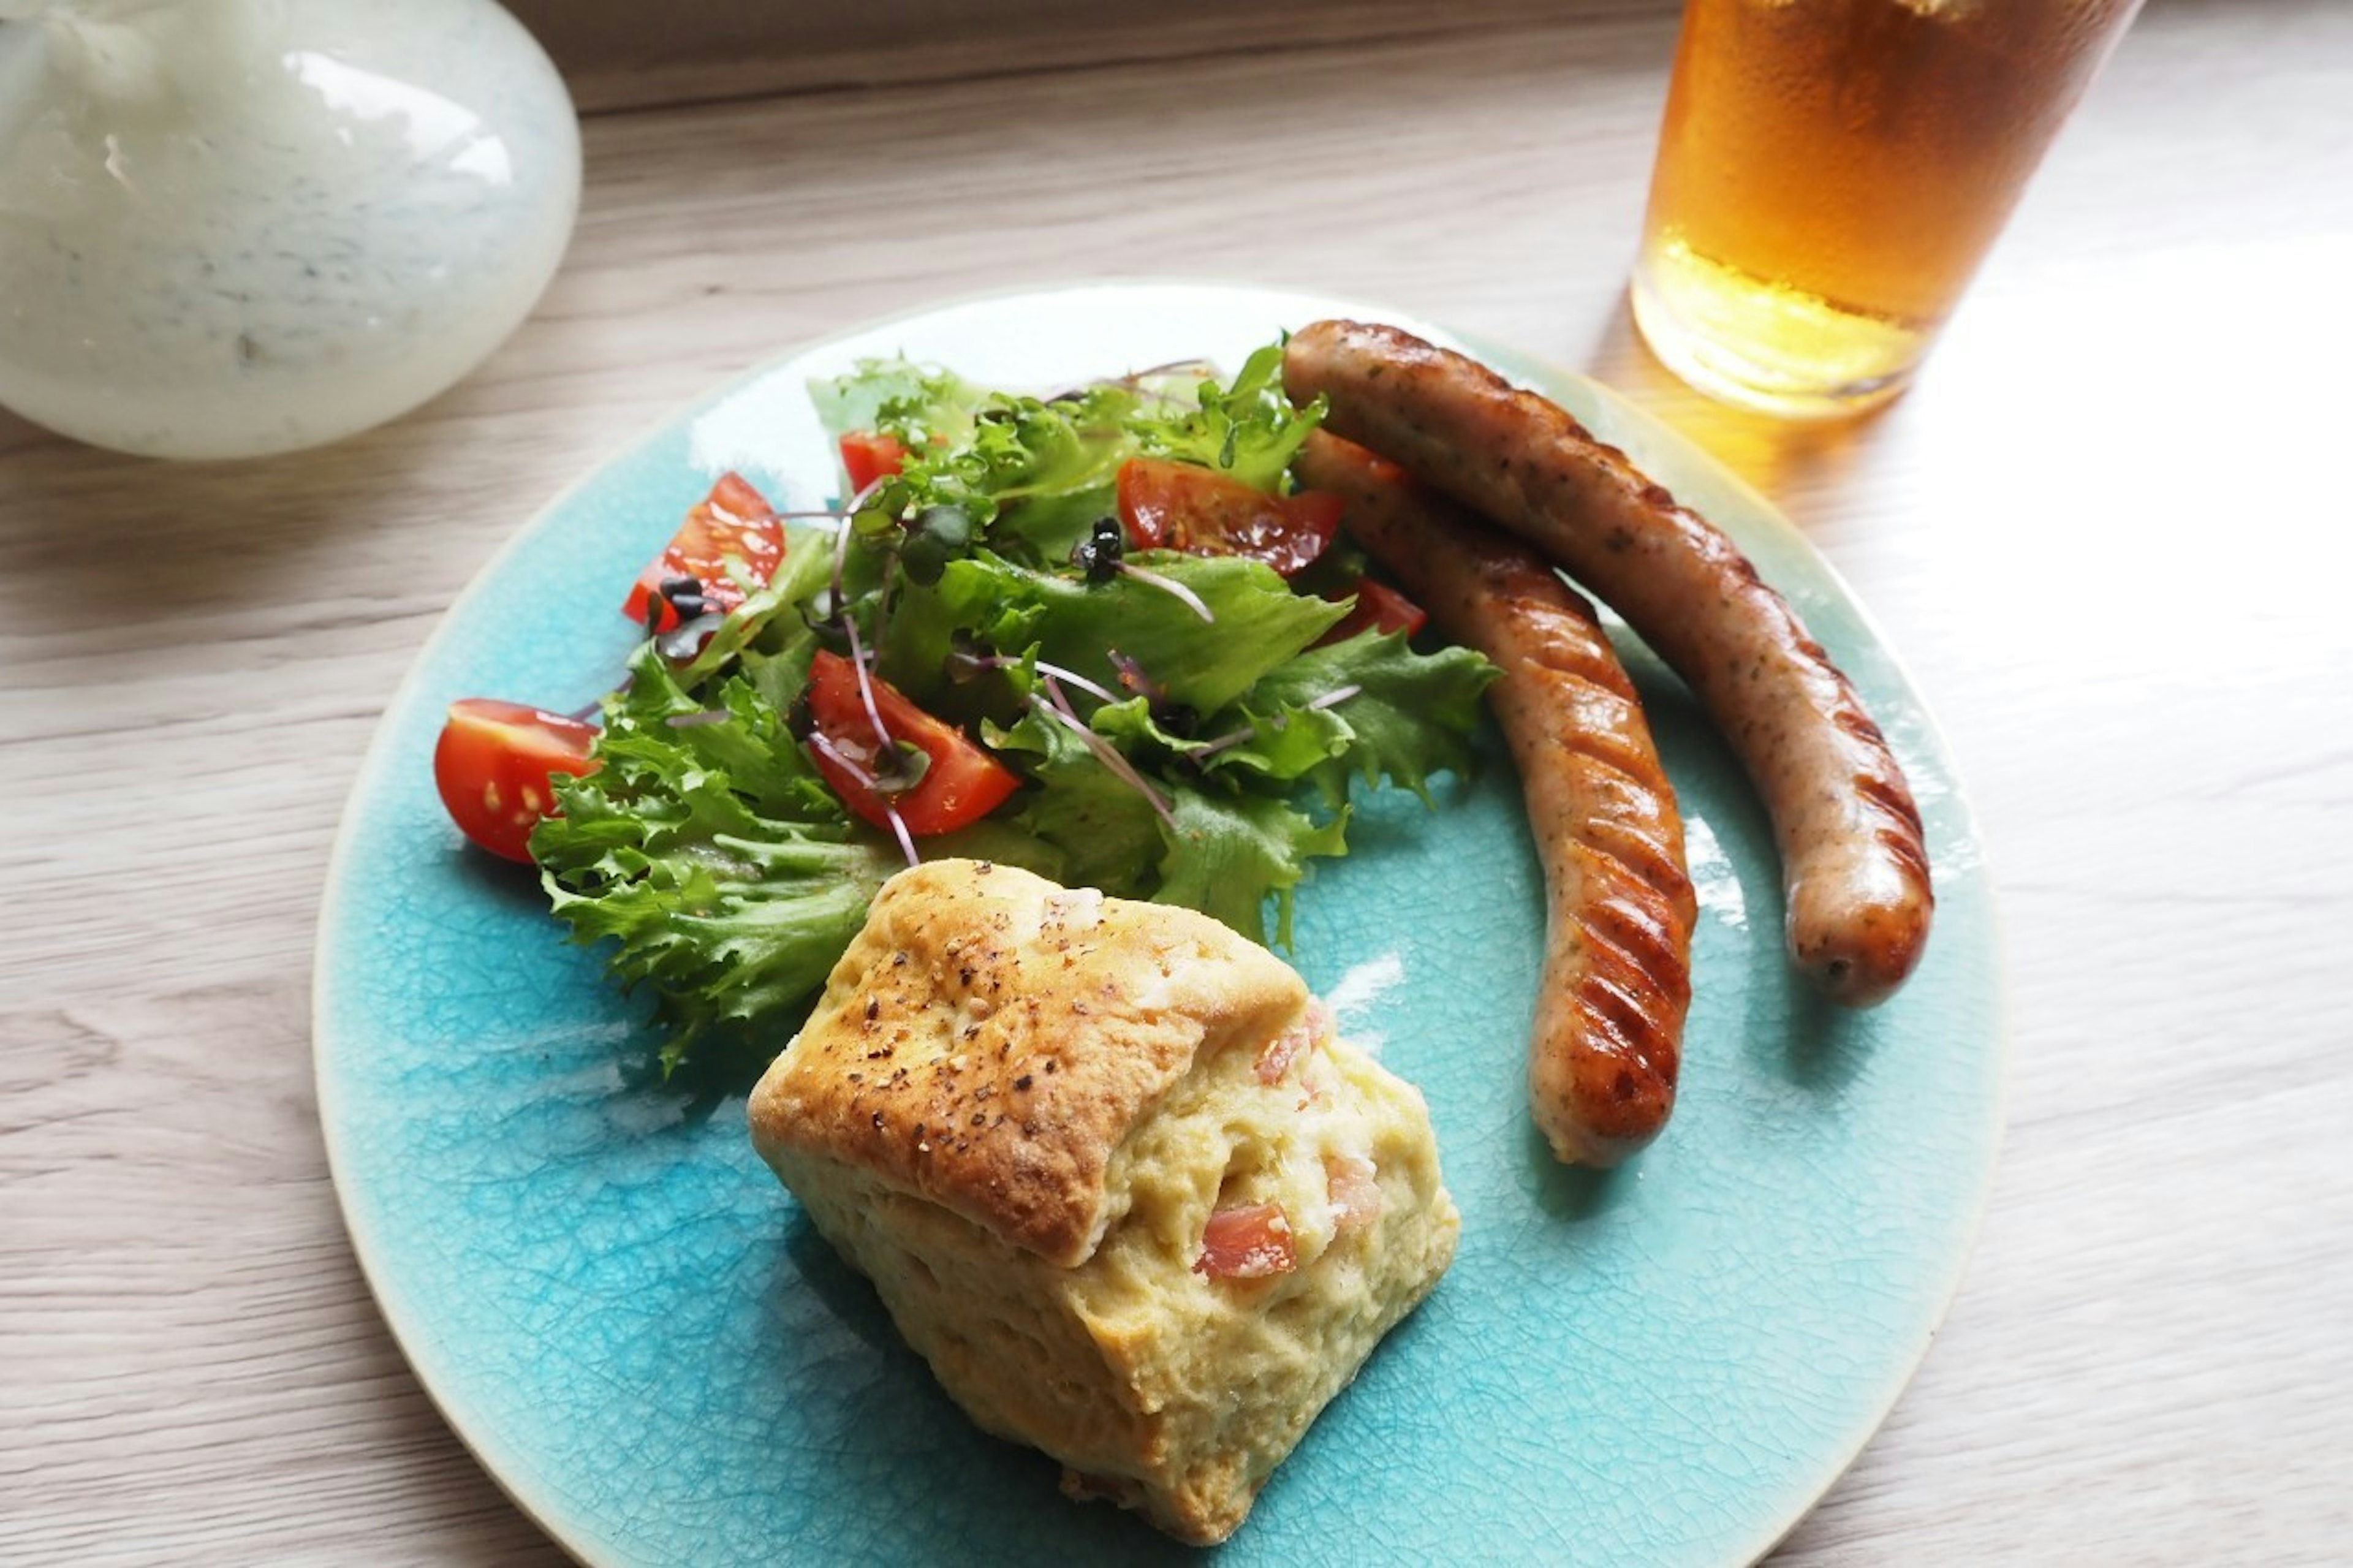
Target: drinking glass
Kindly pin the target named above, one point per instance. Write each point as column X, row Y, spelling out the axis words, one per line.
column 1831, row 171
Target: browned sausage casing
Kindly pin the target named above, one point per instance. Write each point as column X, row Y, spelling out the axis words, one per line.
column 1854, row 864
column 1603, row 1058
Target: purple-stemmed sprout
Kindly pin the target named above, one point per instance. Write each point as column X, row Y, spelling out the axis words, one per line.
column 968, row 656
column 1132, row 676
column 1138, row 377
column 833, row 587
column 1233, row 738
column 866, row 683
column 865, row 677
column 965, row 653
column 835, row 594
column 847, row 515
column 1170, row 585
column 835, row 590
column 1133, row 380
column 1103, row 554
column 1072, row 678
column 819, row 742
column 1056, row 707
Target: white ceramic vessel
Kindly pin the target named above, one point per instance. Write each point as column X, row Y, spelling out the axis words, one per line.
column 230, row 227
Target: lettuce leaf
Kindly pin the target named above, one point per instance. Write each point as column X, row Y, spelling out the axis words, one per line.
column 1223, row 848
column 1046, row 467
column 913, row 402
column 1406, row 715
column 709, row 852
column 1249, row 429
column 1202, row 762
column 1229, row 851
column 1257, row 624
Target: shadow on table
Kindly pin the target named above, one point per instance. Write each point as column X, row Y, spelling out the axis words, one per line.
column 1784, row 458
column 221, row 537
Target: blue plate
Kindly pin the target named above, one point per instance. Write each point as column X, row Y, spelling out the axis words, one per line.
column 625, row 1318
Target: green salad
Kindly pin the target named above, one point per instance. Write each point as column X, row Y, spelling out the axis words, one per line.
column 1095, row 635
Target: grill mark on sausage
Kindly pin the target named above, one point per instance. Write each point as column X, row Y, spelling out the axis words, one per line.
column 1855, row 868
column 1637, row 920
column 1859, row 724
column 1606, row 1050
column 1897, row 804
column 1653, row 862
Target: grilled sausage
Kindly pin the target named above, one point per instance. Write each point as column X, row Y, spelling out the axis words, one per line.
column 1855, row 862
column 1603, row 1058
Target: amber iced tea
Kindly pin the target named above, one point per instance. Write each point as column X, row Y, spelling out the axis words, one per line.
column 1830, row 173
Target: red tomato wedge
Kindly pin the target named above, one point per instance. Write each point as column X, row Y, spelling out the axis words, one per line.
column 868, row 455
column 1250, row 1241
column 1181, row 506
column 960, row 782
column 1356, row 1188
column 492, row 765
column 734, row 520
column 1275, row 1057
column 1378, row 607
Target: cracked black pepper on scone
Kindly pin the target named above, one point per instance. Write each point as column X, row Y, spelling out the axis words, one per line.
column 1113, row 1175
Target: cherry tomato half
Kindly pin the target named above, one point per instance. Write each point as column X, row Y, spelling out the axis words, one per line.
column 492, row 765
column 960, row 782
column 734, row 520
column 1248, row 1242
column 868, row 455
column 1181, row 506
column 1378, row 607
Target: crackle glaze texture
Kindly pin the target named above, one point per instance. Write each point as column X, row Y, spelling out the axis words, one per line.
column 629, row 1321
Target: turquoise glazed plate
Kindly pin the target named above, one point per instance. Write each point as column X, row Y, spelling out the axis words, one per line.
column 625, row 1318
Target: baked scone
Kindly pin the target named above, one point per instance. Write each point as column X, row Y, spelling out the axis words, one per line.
column 1112, row 1176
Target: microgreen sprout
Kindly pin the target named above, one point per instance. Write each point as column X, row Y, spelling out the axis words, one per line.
column 1102, row 555
column 1233, row 738
column 1132, row 676
column 969, row 658
column 842, row 758
column 1056, row 707
column 1170, row 585
column 1072, row 678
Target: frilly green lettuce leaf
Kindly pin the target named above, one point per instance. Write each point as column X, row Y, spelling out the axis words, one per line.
column 1404, row 715
column 1249, row 429
column 710, row 853
column 1258, row 623
column 1163, row 756
column 1229, row 851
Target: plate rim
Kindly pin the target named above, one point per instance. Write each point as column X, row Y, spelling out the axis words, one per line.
column 499, row 1461
column 1932, row 734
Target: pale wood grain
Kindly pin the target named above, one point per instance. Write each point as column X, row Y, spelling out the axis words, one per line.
column 708, row 50
column 2108, row 531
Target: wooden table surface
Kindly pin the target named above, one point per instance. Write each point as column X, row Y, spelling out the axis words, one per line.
column 2109, row 531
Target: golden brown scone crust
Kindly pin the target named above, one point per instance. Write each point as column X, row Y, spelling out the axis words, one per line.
column 1019, row 1109
column 938, row 1061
